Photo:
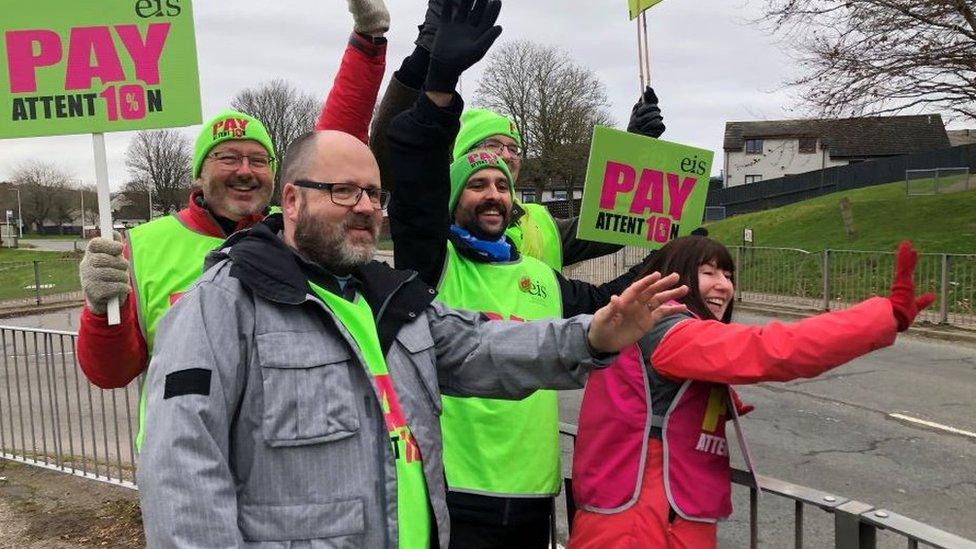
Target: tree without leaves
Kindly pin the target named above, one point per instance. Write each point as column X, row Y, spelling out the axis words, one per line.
column 162, row 161
column 873, row 57
column 554, row 102
column 135, row 201
column 284, row 110
column 45, row 193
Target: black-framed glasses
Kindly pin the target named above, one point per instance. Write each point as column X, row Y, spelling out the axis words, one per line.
column 347, row 194
column 233, row 160
column 498, row 147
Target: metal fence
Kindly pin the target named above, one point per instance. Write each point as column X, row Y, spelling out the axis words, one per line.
column 937, row 181
column 26, row 283
column 856, row 524
column 51, row 416
column 826, row 280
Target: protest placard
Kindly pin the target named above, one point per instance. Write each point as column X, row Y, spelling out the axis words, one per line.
column 79, row 67
column 637, row 7
column 94, row 67
column 641, row 191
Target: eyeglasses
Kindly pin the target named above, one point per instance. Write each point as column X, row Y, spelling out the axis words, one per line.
column 233, row 160
column 347, row 194
column 497, row 147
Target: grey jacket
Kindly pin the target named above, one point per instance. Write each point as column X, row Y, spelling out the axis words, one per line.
column 263, row 427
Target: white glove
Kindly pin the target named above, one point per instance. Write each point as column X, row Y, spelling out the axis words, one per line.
column 104, row 273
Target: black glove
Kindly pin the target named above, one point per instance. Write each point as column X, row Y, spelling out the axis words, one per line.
column 428, row 29
column 464, row 37
column 646, row 117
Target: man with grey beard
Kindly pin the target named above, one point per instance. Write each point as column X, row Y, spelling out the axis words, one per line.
column 294, row 392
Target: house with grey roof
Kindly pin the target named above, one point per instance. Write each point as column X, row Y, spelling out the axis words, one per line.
column 769, row 149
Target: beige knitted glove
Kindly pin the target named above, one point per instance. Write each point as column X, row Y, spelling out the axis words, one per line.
column 370, row 17
column 104, row 273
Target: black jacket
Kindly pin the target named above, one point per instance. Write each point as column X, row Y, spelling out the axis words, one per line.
column 419, row 217
column 269, row 268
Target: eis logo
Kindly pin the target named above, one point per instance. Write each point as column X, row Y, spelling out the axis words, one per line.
column 233, row 128
column 532, row 287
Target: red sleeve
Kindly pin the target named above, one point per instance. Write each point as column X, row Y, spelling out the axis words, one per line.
column 112, row 356
column 350, row 104
column 737, row 354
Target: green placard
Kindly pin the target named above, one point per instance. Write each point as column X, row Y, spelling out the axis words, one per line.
column 71, row 66
column 636, row 7
column 641, row 191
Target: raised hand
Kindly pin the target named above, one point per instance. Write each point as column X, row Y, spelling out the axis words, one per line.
column 645, row 118
column 634, row 312
column 370, row 17
column 904, row 302
column 463, row 38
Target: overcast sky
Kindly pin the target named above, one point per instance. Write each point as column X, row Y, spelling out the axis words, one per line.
column 709, row 65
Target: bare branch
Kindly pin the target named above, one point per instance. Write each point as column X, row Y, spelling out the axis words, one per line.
column 554, row 102
column 285, row 111
column 871, row 57
column 162, row 161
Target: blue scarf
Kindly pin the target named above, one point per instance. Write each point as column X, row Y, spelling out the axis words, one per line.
column 497, row 250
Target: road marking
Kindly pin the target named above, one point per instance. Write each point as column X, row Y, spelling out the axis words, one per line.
column 932, row 425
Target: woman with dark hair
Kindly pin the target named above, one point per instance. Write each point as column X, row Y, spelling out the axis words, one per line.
column 651, row 464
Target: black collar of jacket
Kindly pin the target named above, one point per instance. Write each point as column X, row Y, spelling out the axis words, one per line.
column 517, row 212
column 469, row 252
column 269, row 268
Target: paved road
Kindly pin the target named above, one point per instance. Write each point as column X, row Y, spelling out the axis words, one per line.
column 45, row 245
column 835, row 433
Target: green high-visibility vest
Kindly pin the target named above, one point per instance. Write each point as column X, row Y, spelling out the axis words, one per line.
column 166, row 258
column 536, row 235
column 413, row 507
column 502, row 447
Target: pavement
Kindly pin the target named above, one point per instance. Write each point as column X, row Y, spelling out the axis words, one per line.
column 47, row 245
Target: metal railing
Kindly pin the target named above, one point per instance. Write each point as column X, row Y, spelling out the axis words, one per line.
column 856, row 524
column 27, row 283
column 51, row 416
column 826, row 280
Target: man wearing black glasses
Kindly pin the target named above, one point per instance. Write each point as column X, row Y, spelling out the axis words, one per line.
column 294, row 393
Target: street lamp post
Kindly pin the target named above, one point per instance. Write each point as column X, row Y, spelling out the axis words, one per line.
column 150, row 204
column 82, row 192
column 20, row 215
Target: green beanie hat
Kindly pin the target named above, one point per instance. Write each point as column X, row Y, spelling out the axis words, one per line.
column 463, row 168
column 226, row 126
column 480, row 124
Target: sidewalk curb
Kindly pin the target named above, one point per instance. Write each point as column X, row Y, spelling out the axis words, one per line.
column 35, row 309
column 924, row 330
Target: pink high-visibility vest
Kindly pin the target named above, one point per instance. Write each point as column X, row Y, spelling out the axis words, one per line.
column 614, row 427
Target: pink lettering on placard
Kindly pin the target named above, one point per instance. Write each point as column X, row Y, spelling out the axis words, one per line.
column 658, row 229
column 22, row 61
column 83, row 43
column 619, row 178
column 145, row 55
column 679, row 193
column 650, row 193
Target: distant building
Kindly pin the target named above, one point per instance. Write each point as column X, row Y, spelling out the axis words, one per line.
column 760, row 150
column 526, row 192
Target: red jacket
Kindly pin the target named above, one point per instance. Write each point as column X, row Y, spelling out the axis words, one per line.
column 112, row 356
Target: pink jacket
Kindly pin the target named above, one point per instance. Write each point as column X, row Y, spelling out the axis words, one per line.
column 615, row 422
